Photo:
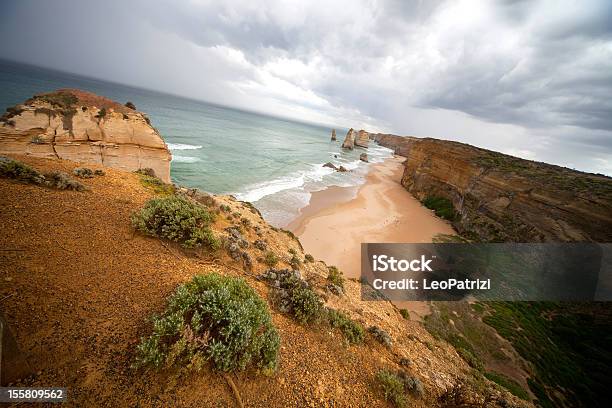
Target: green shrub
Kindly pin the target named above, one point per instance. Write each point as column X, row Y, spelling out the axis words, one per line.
column 393, row 388
column 225, row 208
column 443, row 207
column 101, row 113
column 508, row 383
column 245, row 221
column 17, row 170
column 308, row 258
column 405, row 313
column 270, row 259
column 295, row 262
column 37, row 140
column 307, row 306
column 155, row 184
column 177, row 219
column 215, row 319
column 334, row 275
column 470, row 358
column 352, row 331
column 292, row 251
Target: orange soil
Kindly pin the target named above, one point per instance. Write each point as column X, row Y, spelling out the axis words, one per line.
column 78, row 286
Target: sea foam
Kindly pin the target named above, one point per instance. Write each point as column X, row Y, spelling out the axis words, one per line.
column 182, row 146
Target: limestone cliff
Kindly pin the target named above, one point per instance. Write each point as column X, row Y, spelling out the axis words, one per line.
column 349, row 140
column 84, row 127
column 503, row 198
column 362, row 139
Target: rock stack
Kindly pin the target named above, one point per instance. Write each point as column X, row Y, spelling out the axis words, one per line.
column 362, row 139
column 80, row 126
column 333, row 138
column 363, row 157
column 349, row 140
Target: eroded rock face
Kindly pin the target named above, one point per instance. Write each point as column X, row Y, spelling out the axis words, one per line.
column 349, row 140
column 84, row 127
column 504, row 198
column 362, row 139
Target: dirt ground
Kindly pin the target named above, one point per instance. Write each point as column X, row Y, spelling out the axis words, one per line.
column 77, row 286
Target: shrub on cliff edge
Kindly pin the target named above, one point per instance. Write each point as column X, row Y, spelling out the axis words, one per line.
column 177, row 219
column 215, row 319
column 443, row 207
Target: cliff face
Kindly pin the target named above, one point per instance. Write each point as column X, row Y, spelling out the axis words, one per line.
column 504, row 198
column 83, row 127
column 362, row 139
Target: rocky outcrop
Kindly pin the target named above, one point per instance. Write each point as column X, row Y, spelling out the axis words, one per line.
column 362, row 139
column 349, row 140
column 84, row 127
column 333, row 166
column 363, row 157
column 333, row 135
column 503, row 198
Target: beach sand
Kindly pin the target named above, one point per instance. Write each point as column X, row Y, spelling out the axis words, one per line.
column 335, row 222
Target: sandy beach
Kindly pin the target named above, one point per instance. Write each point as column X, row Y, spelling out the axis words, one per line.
column 334, row 224
column 337, row 220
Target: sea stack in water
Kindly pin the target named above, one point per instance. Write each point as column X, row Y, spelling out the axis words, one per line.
column 80, row 126
column 333, row 138
column 362, row 139
column 349, row 140
column 363, row 157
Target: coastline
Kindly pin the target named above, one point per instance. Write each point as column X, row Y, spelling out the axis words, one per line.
column 338, row 219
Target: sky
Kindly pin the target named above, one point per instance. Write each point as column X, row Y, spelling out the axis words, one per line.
column 531, row 78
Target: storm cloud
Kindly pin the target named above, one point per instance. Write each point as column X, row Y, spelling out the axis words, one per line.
column 530, row 78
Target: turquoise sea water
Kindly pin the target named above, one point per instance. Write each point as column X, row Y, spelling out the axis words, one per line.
column 272, row 162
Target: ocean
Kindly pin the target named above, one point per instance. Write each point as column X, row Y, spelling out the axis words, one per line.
column 271, row 162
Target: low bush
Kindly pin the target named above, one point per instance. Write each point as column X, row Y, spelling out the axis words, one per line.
column 509, row 384
column 393, row 388
column 443, row 207
column 17, row 170
column 55, row 179
column 37, row 140
column 101, row 113
column 156, row 185
column 405, row 313
column 334, row 275
column 308, row 258
column 306, row 305
column 270, row 259
column 177, row 219
column 352, row 331
column 295, row 262
column 146, row 171
column 83, row 172
column 62, row 181
column 397, row 385
column 214, row 319
column 381, row 336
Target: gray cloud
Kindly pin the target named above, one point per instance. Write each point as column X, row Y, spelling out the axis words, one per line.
column 498, row 74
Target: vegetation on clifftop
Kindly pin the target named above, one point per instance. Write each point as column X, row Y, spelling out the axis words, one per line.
column 443, row 207
column 214, row 319
column 177, row 219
